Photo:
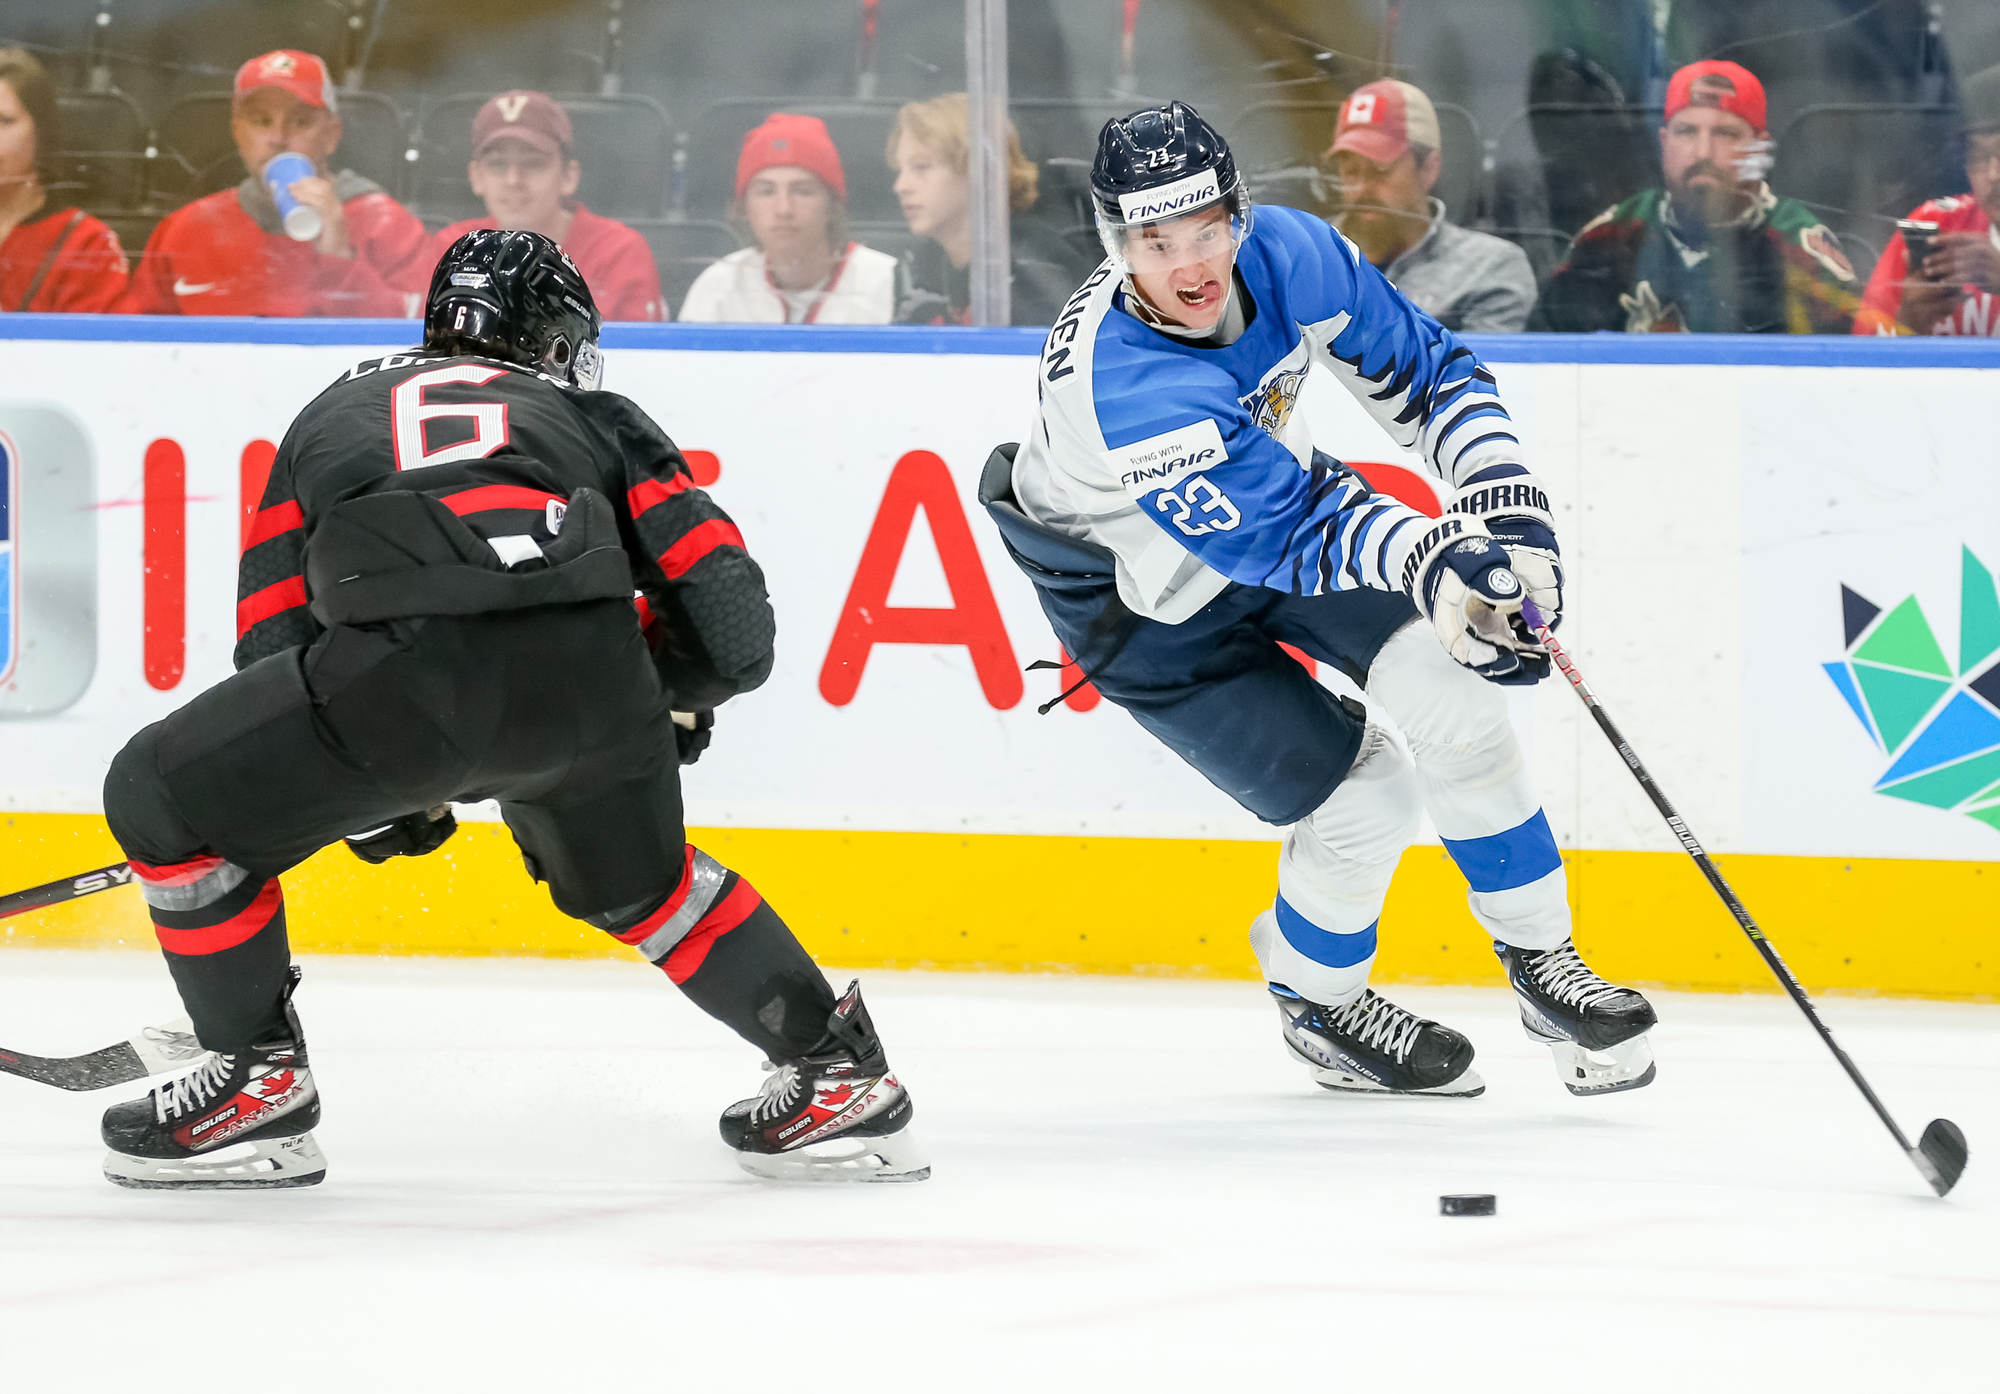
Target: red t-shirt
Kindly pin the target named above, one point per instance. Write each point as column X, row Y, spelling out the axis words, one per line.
column 86, row 266
column 213, row 258
column 615, row 261
column 1977, row 311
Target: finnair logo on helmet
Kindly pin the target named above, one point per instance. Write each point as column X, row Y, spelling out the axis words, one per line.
column 1170, row 200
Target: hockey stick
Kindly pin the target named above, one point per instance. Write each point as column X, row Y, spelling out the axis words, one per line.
column 156, row 1050
column 1940, row 1154
column 69, row 888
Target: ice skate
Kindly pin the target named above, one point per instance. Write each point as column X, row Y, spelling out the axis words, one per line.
column 1596, row 1029
column 239, row 1122
column 833, row 1114
column 1373, row 1046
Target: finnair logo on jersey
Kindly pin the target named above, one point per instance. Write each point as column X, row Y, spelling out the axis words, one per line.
column 1938, row 723
column 10, row 584
column 1146, row 465
column 1170, row 200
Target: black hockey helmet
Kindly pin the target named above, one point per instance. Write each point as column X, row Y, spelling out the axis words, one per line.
column 514, row 296
column 1160, row 164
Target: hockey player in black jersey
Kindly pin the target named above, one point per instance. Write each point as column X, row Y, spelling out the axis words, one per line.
column 437, row 604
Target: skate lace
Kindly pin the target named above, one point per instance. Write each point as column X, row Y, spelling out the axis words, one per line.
column 192, row 1092
column 779, row 1093
column 1564, row 975
column 1379, row 1023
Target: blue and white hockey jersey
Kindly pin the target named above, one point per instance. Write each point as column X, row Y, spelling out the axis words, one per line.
column 1189, row 463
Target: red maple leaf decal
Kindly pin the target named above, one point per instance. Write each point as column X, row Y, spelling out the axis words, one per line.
column 835, row 1097
column 274, row 1084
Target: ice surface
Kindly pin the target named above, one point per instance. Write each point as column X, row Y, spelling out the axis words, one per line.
column 1134, row 1189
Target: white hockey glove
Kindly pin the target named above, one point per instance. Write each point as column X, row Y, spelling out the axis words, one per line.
column 1516, row 513
column 1460, row 580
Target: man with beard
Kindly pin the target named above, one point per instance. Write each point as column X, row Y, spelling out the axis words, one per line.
column 1954, row 287
column 1714, row 251
column 1386, row 159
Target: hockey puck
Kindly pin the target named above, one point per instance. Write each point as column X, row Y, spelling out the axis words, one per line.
column 1465, row 1205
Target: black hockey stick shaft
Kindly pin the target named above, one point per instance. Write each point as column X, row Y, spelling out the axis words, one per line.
column 156, row 1050
column 69, row 888
column 1941, row 1153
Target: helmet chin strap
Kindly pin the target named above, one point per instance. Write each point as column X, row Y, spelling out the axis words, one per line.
column 1150, row 315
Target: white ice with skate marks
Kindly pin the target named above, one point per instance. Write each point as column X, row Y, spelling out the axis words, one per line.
column 1135, row 1188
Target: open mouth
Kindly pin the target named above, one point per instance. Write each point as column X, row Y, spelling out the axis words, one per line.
column 1194, row 297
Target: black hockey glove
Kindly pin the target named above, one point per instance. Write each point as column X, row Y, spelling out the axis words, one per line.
column 414, row 835
column 692, row 731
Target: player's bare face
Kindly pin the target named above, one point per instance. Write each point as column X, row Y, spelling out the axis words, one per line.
column 1710, row 160
column 935, row 195
column 790, row 211
column 268, row 121
column 525, row 188
column 1182, row 267
column 1982, row 168
column 17, row 143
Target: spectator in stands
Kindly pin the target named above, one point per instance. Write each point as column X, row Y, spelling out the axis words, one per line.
column 930, row 151
column 1386, row 160
column 228, row 253
column 524, row 168
column 1956, row 289
column 1715, row 251
column 792, row 192
column 51, row 257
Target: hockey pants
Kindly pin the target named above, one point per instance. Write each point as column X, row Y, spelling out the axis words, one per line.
column 555, row 712
column 1221, row 693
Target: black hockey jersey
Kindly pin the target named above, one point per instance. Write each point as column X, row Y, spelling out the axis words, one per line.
column 504, row 450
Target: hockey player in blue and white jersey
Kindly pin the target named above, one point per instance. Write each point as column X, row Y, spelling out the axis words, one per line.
column 1178, row 526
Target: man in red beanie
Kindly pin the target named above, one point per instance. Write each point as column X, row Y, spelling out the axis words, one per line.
column 792, row 193
column 229, row 254
column 1714, row 251
column 524, row 168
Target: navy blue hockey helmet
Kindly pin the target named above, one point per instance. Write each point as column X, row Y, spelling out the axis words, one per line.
column 515, row 296
column 1160, row 164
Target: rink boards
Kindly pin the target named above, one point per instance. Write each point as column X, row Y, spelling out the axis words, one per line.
column 1778, row 556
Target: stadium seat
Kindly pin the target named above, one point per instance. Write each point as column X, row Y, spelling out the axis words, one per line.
column 860, row 132
column 1545, row 246
column 100, row 163
column 682, row 250
column 1872, row 162
column 197, row 155
column 1587, row 156
column 1290, row 137
column 625, row 145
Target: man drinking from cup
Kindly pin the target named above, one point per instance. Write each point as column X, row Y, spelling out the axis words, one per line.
column 295, row 237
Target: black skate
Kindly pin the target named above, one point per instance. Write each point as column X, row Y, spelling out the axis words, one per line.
column 238, row 1122
column 833, row 1114
column 1373, row 1046
column 1596, row 1029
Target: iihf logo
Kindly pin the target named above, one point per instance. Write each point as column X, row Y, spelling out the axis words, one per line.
column 10, row 608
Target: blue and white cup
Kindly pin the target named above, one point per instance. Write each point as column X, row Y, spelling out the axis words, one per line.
column 301, row 221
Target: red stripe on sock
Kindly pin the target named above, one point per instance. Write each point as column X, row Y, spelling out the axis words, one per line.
column 688, row 955
column 254, row 609
column 638, row 932
column 237, row 929
column 678, row 559
column 178, row 873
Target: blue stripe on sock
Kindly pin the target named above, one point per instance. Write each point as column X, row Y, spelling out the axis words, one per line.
column 1323, row 945
column 1502, row 861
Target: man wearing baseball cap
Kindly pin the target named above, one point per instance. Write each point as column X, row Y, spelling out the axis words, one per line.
column 230, row 254
column 804, row 269
column 1386, row 159
column 1944, row 278
column 524, row 169
column 1714, row 251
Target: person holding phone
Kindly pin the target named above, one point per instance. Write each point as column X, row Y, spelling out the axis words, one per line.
column 1940, row 273
column 296, row 237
